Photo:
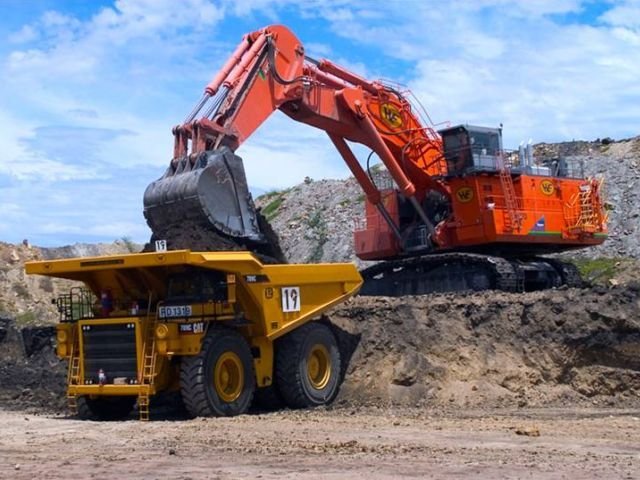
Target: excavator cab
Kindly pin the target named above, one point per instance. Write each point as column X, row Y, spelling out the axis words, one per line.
column 470, row 148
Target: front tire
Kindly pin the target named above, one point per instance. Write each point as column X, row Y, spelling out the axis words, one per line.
column 219, row 381
column 308, row 366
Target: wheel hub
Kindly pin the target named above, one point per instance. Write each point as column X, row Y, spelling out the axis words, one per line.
column 228, row 377
column 319, row 366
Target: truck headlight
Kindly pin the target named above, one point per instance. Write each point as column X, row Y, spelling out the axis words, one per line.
column 61, row 336
column 162, row 331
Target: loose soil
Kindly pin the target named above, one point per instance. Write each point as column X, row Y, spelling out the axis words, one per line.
column 197, row 237
column 335, row 443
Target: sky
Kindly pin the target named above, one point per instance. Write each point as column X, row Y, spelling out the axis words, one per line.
column 91, row 89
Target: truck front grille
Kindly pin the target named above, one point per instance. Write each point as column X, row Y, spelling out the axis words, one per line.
column 112, row 349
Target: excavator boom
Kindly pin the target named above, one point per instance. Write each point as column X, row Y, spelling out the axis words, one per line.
column 269, row 71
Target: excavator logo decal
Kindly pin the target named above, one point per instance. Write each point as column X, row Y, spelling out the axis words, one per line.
column 464, row 194
column 390, row 115
column 546, row 187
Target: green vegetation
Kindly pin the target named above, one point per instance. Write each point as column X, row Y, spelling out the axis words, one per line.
column 376, row 168
column 21, row 289
column 266, row 196
column 271, row 194
column 599, row 270
column 271, row 210
column 26, row 318
column 46, row 284
column 274, row 199
column 316, row 219
column 318, row 223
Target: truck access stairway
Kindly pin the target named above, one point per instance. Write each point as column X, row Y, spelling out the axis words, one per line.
column 148, row 369
column 73, row 372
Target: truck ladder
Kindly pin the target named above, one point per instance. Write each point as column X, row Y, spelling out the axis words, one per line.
column 73, row 372
column 148, row 369
column 512, row 217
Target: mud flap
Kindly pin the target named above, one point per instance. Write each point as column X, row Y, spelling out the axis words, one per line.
column 211, row 191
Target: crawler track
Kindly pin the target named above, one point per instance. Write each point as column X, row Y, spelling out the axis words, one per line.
column 457, row 272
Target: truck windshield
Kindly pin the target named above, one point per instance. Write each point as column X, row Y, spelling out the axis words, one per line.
column 198, row 286
column 182, row 287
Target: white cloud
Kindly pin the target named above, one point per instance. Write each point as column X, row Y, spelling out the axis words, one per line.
column 317, row 50
column 494, row 61
column 624, row 14
column 25, row 35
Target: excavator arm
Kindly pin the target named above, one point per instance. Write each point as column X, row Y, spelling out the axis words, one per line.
column 269, row 71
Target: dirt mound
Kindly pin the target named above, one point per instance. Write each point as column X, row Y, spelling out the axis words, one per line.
column 489, row 349
column 31, row 376
column 494, row 348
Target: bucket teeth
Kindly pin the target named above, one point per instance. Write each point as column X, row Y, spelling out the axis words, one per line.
column 210, row 190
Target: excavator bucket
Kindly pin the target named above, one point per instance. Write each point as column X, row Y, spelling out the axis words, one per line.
column 213, row 190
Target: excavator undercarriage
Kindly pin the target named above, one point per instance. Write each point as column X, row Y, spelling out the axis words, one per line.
column 459, row 272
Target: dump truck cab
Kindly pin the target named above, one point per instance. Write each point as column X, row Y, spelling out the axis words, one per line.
column 215, row 326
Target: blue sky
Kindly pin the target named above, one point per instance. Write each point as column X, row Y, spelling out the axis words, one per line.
column 91, row 90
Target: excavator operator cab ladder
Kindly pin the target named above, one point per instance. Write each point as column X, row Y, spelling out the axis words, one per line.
column 513, row 217
column 428, row 139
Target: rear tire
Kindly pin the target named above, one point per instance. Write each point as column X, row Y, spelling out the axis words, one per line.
column 105, row 408
column 308, row 366
column 219, row 381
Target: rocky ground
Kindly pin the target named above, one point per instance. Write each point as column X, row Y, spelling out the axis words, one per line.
column 336, row 443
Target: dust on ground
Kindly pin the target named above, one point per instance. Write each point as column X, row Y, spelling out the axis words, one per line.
column 330, row 443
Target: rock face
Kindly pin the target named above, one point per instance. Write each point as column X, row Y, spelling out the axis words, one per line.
column 28, row 297
column 315, row 219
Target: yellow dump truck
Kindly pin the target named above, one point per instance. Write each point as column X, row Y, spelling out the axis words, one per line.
column 215, row 326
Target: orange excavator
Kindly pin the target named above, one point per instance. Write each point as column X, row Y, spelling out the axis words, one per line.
column 457, row 211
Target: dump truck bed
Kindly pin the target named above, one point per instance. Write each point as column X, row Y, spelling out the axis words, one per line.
column 263, row 289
